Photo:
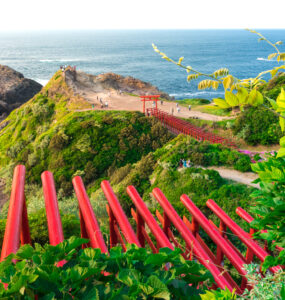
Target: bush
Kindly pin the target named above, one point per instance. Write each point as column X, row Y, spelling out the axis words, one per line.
column 257, row 125
column 39, row 228
column 243, row 164
column 58, row 142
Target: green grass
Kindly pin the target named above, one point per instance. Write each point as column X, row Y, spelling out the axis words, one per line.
column 193, row 102
column 210, row 109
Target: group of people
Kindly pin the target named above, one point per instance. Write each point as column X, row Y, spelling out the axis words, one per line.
column 178, row 108
column 185, row 163
column 63, row 68
column 103, row 104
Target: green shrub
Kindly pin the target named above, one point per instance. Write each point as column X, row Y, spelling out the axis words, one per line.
column 57, row 142
column 257, row 125
column 243, row 164
column 39, row 228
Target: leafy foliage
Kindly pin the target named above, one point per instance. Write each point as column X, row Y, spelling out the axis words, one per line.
column 269, row 206
column 90, row 274
column 257, row 125
column 268, row 287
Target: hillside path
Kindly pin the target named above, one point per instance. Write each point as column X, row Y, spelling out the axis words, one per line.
column 245, row 178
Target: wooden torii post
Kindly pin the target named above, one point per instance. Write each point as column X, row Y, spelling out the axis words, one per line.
column 145, row 98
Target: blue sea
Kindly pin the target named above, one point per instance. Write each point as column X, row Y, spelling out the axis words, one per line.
column 129, row 52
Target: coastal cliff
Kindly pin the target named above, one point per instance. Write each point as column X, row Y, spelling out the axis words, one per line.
column 15, row 90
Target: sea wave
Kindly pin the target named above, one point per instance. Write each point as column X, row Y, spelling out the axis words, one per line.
column 263, row 59
column 195, row 94
column 62, row 60
column 42, row 81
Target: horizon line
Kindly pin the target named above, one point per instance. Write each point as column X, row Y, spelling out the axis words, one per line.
column 127, row 29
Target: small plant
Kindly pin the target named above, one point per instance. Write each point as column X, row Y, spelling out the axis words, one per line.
column 268, row 287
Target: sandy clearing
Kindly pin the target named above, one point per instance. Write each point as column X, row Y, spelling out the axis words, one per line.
column 123, row 101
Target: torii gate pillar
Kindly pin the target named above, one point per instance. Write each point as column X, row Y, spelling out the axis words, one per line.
column 145, row 98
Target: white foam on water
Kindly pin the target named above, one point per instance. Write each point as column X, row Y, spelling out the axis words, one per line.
column 42, row 81
column 62, row 60
column 264, row 59
column 195, row 94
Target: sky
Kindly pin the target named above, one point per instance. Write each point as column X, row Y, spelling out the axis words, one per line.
column 18, row 15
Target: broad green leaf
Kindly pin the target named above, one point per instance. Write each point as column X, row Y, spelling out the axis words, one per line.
column 156, row 259
column 129, row 276
column 281, row 99
column 228, row 81
column 277, row 174
column 164, row 294
column 282, row 141
column 273, row 103
column 147, row 289
column 231, row 99
column 242, row 95
column 282, row 292
column 221, row 103
column 281, row 152
column 255, row 98
column 25, row 252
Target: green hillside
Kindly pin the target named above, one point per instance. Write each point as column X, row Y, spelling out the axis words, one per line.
column 48, row 134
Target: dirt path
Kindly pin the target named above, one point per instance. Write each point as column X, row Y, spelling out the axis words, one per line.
column 245, row 178
column 123, row 101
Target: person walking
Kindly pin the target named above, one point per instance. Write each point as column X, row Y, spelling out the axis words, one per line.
column 189, row 107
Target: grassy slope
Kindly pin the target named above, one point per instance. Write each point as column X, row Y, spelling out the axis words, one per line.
column 46, row 133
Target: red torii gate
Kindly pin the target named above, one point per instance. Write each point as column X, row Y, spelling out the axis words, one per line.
column 149, row 98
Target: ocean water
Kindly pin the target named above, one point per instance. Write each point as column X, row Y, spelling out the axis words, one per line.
column 129, row 52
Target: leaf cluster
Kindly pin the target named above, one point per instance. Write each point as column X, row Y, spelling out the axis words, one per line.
column 270, row 206
column 241, row 99
column 89, row 274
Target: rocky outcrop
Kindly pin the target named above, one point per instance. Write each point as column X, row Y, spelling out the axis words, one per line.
column 15, row 90
column 112, row 81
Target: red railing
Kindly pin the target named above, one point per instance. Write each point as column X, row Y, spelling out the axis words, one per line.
column 170, row 216
column 88, row 223
column 121, row 231
column 17, row 226
column 178, row 126
column 253, row 249
column 118, row 217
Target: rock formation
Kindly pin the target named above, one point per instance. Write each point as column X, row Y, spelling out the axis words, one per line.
column 112, row 81
column 15, row 90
